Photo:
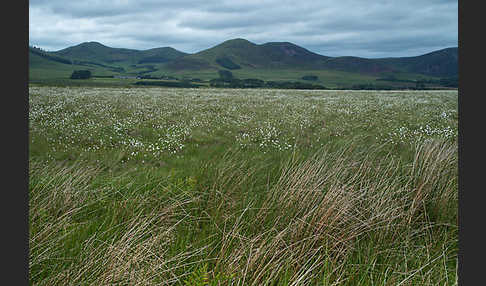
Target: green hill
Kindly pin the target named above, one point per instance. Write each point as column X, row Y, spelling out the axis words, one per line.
column 99, row 59
column 47, row 66
column 243, row 53
column 240, row 53
column 274, row 61
column 442, row 63
column 96, row 52
column 160, row 55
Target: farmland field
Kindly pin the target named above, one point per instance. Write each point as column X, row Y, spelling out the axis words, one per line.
column 161, row 186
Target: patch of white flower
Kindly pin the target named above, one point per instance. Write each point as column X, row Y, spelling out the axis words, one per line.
column 166, row 122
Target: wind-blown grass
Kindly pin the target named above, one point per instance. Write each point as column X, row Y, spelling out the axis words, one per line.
column 353, row 208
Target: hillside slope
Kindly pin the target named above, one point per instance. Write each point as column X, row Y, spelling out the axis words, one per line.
column 44, row 65
column 442, row 63
column 272, row 61
column 240, row 53
column 94, row 51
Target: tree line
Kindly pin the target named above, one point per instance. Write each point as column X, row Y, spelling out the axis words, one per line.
column 226, row 79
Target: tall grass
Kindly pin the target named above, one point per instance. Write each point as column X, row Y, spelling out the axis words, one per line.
column 351, row 215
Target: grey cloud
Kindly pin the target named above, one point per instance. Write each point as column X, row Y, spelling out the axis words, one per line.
column 97, row 8
column 346, row 27
column 232, row 21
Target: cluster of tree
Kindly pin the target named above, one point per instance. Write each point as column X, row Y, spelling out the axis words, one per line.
column 148, row 76
column 293, row 85
column 310, row 77
column 81, row 74
column 225, row 75
column 421, row 83
column 237, row 83
column 103, row 76
column 258, row 83
column 168, row 83
column 36, row 48
column 370, row 86
column 44, row 54
column 226, row 79
column 227, row 63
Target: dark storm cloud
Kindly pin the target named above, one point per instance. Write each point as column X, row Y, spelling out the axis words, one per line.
column 334, row 28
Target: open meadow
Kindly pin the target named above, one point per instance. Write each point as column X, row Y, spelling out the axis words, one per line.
column 165, row 186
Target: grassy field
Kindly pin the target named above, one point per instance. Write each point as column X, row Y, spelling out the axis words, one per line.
column 42, row 71
column 330, row 79
column 161, row 186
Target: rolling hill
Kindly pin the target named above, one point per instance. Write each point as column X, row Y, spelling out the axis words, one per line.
column 97, row 52
column 46, row 66
column 268, row 61
column 441, row 63
column 277, row 55
column 238, row 53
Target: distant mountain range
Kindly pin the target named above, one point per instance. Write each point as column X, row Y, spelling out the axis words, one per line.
column 278, row 55
column 241, row 54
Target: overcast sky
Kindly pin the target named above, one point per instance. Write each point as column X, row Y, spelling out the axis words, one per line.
column 370, row 29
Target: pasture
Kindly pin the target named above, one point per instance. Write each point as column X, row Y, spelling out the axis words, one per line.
column 163, row 186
